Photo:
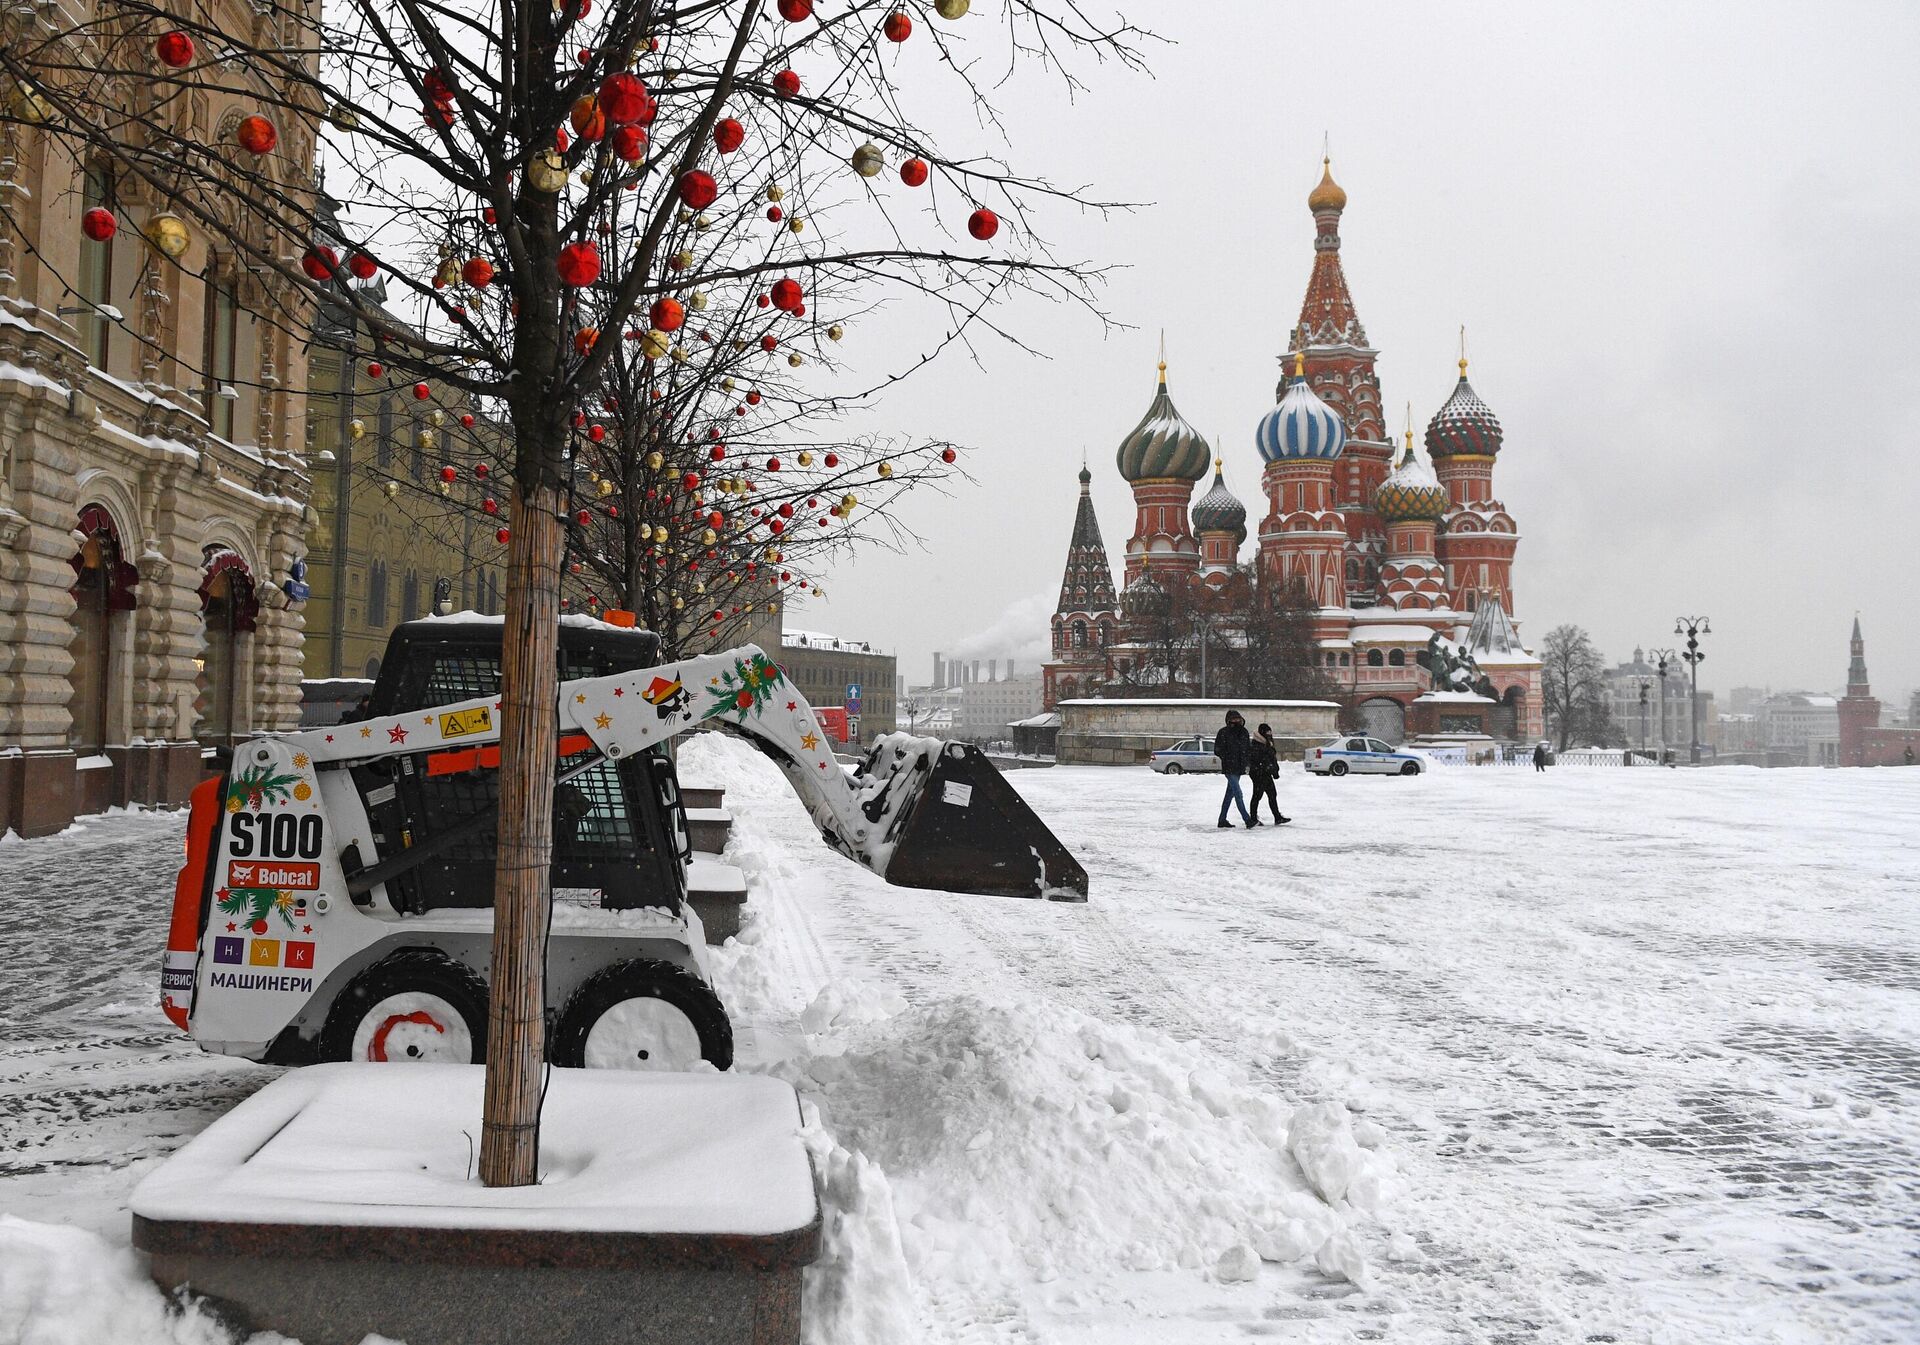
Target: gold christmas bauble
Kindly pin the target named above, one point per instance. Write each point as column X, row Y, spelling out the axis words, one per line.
column 702, row 223
column 660, row 535
column 709, row 536
column 835, row 332
column 727, row 383
column 697, row 301
column 606, row 489
column 739, row 346
column 344, row 117
column 436, row 417
column 681, row 260
column 848, row 500
column 952, row 10
column 547, row 171
column 654, row 345
column 168, row 234
column 867, row 160
column 30, row 105
column 775, row 193
column 806, row 458
column 424, row 439
column 886, row 469
column 678, row 603
column 795, row 360
column 678, row 354
column 356, row 429
column 654, row 460
column 393, row 489
column 797, row 224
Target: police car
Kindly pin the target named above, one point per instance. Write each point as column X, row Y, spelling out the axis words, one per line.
column 1362, row 755
column 1184, row 757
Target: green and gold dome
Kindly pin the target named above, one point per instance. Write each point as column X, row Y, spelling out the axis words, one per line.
column 1163, row 446
column 1411, row 493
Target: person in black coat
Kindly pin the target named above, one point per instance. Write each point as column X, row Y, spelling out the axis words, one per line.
column 1231, row 745
column 1540, row 756
column 1263, row 764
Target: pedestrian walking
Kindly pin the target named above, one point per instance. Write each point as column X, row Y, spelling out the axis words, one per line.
column 1231, row 745
column 1263, row 764
column 1539, row 756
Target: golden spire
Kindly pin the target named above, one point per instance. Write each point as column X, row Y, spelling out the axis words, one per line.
column 1328, row 195
column 1163, row 357
column 1409, row 429
column 1463, row 350
column 1299, row 363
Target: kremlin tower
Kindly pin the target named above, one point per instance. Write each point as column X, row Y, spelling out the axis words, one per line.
column 1398, row 555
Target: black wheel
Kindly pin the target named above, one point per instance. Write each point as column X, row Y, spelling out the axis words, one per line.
column 416, row 1005
column 643, row 1014
column 1411, row 768
column 1338, row 768
column 1176, row 769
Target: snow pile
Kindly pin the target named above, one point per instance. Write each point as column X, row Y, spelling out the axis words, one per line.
column 66, row 1286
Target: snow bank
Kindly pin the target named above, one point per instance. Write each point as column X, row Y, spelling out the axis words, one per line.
column 66, row 1286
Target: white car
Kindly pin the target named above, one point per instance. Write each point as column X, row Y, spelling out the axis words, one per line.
column 1185, row 756
column 1362, row 754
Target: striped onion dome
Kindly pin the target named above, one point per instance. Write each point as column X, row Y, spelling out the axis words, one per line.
column 1163, row 445
column 1465, row 425
column 1302, row 426
column 1411, row 491
column 1219, row 510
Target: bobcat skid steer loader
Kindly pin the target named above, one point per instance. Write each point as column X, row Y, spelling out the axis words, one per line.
column 336, row 901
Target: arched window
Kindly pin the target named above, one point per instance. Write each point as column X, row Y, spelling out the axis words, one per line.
column 1472, row 601
column 1106, row 633
column 1346, row 660
column 220, row 340
column 1397, row 658
column 377, row 594
column 1353, row 570
column 102, row 588
column 228, row 607
column 384, row 453
column 1374, row 660
column 410, row 597
column 96, row 270
column 1079, row 635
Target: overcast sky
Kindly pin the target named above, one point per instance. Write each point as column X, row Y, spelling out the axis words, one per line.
column 1685, row 243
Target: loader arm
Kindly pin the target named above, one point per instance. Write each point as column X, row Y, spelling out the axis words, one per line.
column 918, row 812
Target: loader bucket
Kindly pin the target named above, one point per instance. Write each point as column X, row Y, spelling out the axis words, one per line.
column 965, row 829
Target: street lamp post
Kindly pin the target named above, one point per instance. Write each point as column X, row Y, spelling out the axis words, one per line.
column 1693, row 627
column 1662, row 659
column 1646, row 694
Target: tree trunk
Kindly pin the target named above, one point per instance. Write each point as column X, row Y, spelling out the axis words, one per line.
column 529, row 677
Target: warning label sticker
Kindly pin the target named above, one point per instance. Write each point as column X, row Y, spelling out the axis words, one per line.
column 461, row 723
column 952, row 791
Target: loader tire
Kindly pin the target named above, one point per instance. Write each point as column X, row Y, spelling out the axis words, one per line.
column 414, row 1006
column 643, row 1014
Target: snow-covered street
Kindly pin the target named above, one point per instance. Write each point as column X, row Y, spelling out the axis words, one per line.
column 1482, row 1055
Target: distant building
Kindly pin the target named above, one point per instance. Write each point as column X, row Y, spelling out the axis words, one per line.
column 1862, row 742
column 1648, row 715
column 990, row 709
column 1790, row 720
column 824, row 667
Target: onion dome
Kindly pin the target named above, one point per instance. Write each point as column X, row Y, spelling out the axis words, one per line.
column 1302, row 426
column 1219, row 511
column 1328, row 195
column 1411, row 491
column 1144, row 599
column 1163, row 445
column 1465, row 426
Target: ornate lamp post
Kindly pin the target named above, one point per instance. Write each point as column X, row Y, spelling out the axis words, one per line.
column 1662, row 659
column 1646, row 694
column 1693, row 627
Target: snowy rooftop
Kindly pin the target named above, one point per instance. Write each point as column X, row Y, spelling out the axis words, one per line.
column 1214, row 704
column 813, row 639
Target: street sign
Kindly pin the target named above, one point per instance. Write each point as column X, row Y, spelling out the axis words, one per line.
column 853, row 728
column 853, row 698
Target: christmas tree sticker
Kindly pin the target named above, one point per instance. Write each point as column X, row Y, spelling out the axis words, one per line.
column 257, row 786
column 253, row 904
column 745, row 688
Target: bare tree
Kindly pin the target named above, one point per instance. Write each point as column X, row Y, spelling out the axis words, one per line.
column 1571, row 683
column 529, row 178
column 1274, row 656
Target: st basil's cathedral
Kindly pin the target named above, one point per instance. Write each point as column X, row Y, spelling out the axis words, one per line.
column 1393, row 548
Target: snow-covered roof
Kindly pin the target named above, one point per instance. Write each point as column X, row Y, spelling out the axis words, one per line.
column 1049, row 720
column 813, row 639
column 1392, row 634
column 1455, row 697
column 1214, row 704
column 472, row 618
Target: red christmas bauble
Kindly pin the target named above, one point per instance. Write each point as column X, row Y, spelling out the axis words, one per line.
column 625, row 99
column 728, row 135
column 898, row 27
column 785, row 294
column 795, row 11
column 477, row 272
column 255, row 134
column 99, row 224
column 589, row 122
column 775, row 526
column 773, row 464
column 174, row 49
column 786, row 84
column 983, row 224
column 449, row 475
column 775, row 213
column 489, row 216
column 629, row 142
column 479, row 468
column 753, row 399
column 697, row 189
column 691, row 481
column 579, row 263
column 768, row 342
column 503, row 536
column 320, row 262
column 718, row 452
column 362, row 266
column 489, row 505
column 948, row 455
column 833, row 460
column 914, row 172
column 583, row 518
column 421, row 392
column 597, row 433
column 786, row 509
column 466, row 423
column 438, row 85
column 375, row 369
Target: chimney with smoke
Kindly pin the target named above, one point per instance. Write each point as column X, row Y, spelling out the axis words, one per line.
column 976, row 670
column 939, row 670
column 993, row 670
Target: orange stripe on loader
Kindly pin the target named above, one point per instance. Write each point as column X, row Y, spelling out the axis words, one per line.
column 486, row 758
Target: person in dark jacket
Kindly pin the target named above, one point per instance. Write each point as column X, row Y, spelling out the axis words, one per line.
column 1232, row 747
column 1540, row 756
column 1263, row 764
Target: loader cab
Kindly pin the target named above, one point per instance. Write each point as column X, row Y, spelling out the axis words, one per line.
column 620, row 832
